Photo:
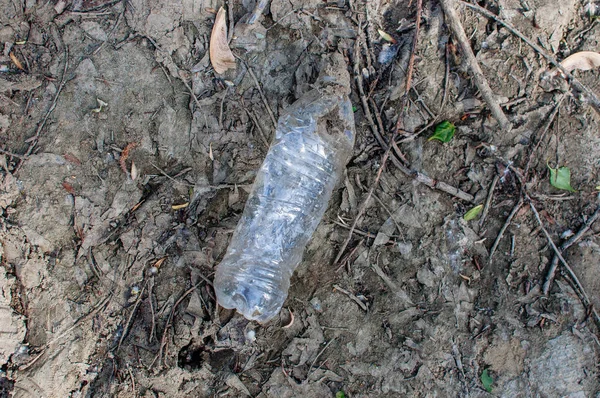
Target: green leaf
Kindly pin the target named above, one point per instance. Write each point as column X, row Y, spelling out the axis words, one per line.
column 561, row 178
column 443, row 132
column 473, row 213
column 487, row 381
column 354, row 109
column 340, row 394
column 386, row 36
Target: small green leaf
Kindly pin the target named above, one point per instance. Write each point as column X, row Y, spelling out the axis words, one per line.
column 386, row 36
column 561, row 178
column 354, row 109
column 473, row 213
column 598, row 188
column 340, row 394
column 487, row 381
column 443, row 132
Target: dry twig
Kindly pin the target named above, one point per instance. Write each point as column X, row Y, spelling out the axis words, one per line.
column 572, row 240
column 453, row 22
column 503, row 229
column 34, row 140
column 593, row 98
column 585, row 298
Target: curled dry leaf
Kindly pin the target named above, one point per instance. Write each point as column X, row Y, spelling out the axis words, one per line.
column 221, row 56
column 583, row 60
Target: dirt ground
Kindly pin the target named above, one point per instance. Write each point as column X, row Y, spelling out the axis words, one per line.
column 126, row 161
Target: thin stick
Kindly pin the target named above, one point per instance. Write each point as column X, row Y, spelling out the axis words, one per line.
column 262, row 95
column 353, row 297
column 396, row 290
column 488, row 201
column 363, row 205
column 34, row 140
column 503, row 229
column 546, row 127
column 554, row 264
column 594, row 101
column 83, row 318
column 586, row 300
column 415, row 42
column 130, row 319
column 163, row 340
column 356, row 231
column 319, row 354
column 453, row 22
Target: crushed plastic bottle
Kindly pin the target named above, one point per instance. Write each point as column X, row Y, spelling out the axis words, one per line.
column 312, row 144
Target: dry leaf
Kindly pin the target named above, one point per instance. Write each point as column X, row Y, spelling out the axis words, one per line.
column 221, row 56
column 125, row 155
column 16, row 61
column 68, row 187
column 134, row 171
column 583, row 60
column 72, row 159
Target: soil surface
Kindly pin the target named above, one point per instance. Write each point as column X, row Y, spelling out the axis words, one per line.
column 125, row 163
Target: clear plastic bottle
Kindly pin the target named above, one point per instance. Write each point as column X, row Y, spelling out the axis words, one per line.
column 312, row 144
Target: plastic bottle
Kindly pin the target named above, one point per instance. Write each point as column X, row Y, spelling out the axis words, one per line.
column 312, row 144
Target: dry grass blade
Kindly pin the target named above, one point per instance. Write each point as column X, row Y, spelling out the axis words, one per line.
column 221, row 56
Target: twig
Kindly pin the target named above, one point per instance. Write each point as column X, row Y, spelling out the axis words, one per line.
column 83, row 318
column 363, row 205
column 415, row 42
column 262, row 95
column 446, row 76
column 318, row 355
column 453, row 22
column 503, row 229
column 585, row 298
column 133, row 311
column 572, row 240
column 182, row 78
column 353, row 297
column 396, row 290
column 595, row 102
column 488, row 201
column 355, row 231
column 14, row 155
column 544, row 131
column 132, row 380
column 34, row 140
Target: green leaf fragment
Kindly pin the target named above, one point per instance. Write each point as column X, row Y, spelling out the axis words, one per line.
column 443, row 132
column 473, row 213
column 354, row 109
column 487, row 381
column 340, row 394
column 561, row 178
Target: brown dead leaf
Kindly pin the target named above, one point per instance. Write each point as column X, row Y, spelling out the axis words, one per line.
column 16, row 61
column 72, row 159
column 159, row 262
column 68, row 187
column 221, row 56
column 583, row 60
column 125, row 155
